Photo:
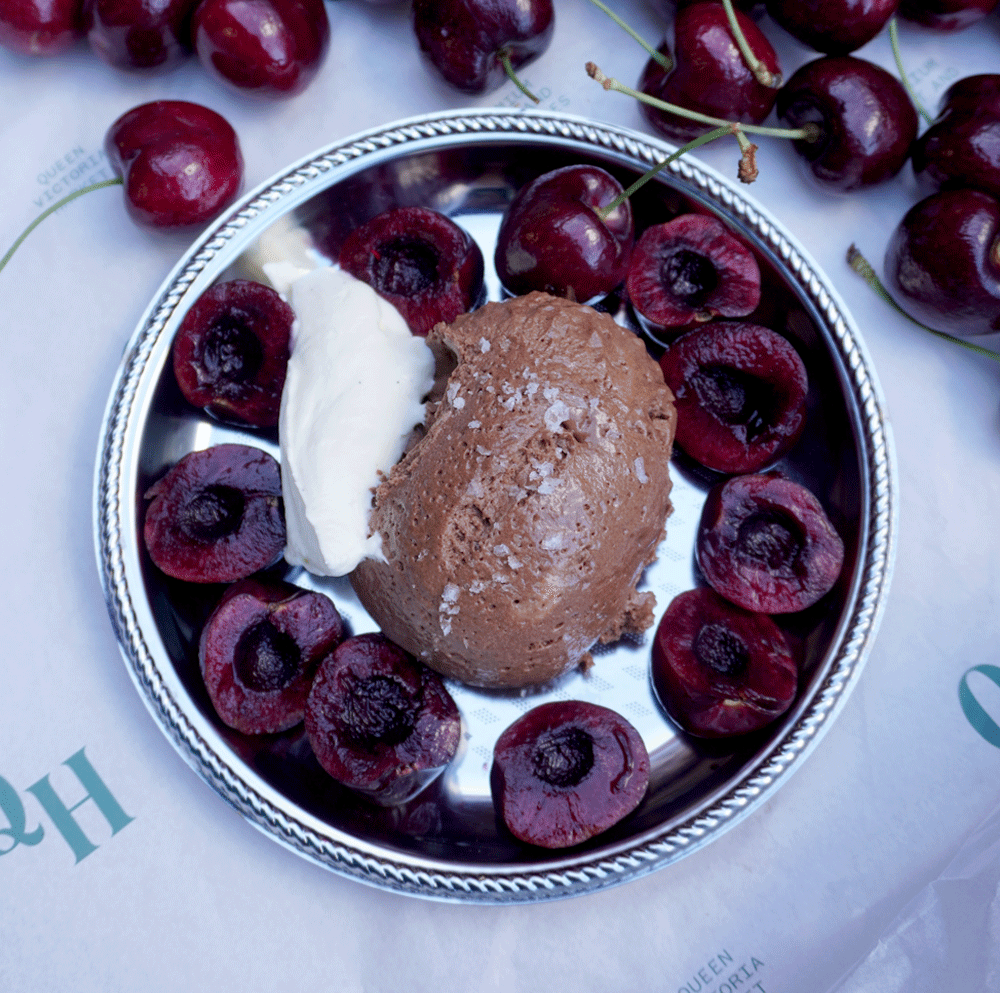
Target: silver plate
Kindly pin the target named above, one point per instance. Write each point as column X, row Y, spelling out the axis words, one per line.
column 446, row 843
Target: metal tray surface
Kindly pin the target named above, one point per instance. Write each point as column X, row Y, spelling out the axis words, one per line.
column 447, row 843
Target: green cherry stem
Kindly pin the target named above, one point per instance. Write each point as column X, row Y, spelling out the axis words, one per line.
column 655, row 53
column 864, row 269
column 508, row 68
column 763, row 75
column 903, row 78
column 51, row 210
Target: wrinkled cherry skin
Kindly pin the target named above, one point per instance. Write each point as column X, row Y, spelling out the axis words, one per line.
column 698, row 690
column 709, row 73
column 139, row 34
column 766, row 544
column 567, row 771
column 866, row 119
column 962, row 146
column 181, row 162
column 551, row 238
column 835, row 27
column 462, row 39
column 40, row 27
column 946, row 15
column 942, row 262
column 268, row 48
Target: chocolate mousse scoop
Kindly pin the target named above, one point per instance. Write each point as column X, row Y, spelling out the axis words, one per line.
column 515, row 530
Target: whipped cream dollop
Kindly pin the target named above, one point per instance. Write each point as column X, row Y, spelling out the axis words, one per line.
column 354, row 392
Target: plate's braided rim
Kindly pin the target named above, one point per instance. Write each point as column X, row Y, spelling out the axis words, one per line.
column 572, row 877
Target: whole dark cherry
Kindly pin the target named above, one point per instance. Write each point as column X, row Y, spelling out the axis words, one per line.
column 40, row 27
column 835, row 27
column 427, row 266
column 269, row 48
column 942, row 262
column 181, row 162
column 962, row 146
column 709, row 74
column 867, row 121
column 946, row 15
column 552, row 238
column 139, row 34
column 464, row 39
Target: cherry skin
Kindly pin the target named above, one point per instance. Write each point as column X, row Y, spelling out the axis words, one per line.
column 464, row 39
column 709, row 73
column 552, row 239
column 835, row 27
column 40, row 27
column 866, row 119
column 946, row 15
column 270, row 48
column 181, row 162
column 942, row 263
column 962, row 146
column 139, row 34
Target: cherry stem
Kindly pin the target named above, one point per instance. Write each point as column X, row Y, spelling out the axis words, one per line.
column 51, row 210
column 808, row 132
column 762, row 74
column 903, row 78
column 864, row 269
column 504, row 56
column 665, row 61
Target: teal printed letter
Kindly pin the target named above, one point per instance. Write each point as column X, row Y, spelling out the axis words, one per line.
column 10, row 804
column 62, row 815
column 973, row 709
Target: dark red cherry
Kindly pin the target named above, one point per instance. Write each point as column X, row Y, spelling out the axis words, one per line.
column 181, row 162
column 270, row 48
column 719, row 670
column 231, row 352
column 690, row 269
column 962, row 146
column 766, row 544
column 566, row 771
column 740, row 393
column 709, row 74
column 379, row 721
column 866, row 120
column 421, row 261
column 217, row 515
column 259, row 649
column 552, row 238
column 139, row 34
column 464, row 39
column 942, row 262
column 946, row 15
column 834, row 27
column 40, row 27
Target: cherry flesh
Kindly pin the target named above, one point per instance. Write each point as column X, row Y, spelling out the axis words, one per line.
column 139, row 34
column 464, row 39
column 181, row 162
column 259, row 649
column 231, row 352
column 962, row 146
column 687, row 270
column 866, row 119
column 766, row 544
column 709, row 74
column 379, row 721
column 740, row 392
column 567, row 771
column 942, row 262
column 835, row 27
column 946, row 15
column 269, row 48
column 719, row 670
column 217, row 515
column 552, row 238
column 40, row 27
column 421, row 261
